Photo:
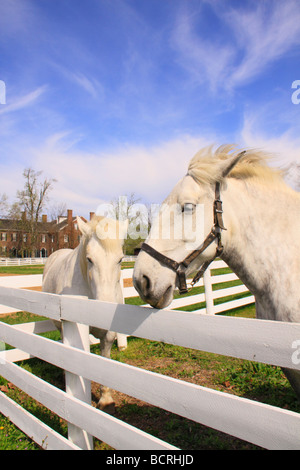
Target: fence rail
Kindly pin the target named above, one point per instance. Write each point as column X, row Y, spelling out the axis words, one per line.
column 21, row 261
column 263, row 341
column 32, row 261
column 213, row 283
column 266, row 341
column 210, row 285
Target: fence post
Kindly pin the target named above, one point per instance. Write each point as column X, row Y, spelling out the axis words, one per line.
column 77, row 335
column 208, row 292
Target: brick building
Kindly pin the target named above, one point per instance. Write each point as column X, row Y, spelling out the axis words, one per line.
column 15, row 237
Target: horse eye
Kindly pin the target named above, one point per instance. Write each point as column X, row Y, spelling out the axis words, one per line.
column 120, row 261
column 89, row 260
column 188, row 208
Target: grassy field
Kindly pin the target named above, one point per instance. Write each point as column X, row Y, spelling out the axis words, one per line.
column 243, row 378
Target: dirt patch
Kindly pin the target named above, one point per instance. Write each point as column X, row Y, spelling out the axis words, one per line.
column 10, row 274
column 37, row 288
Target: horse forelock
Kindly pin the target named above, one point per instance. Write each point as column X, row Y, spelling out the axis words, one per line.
column 107, row 231
column 205, row 165
column 109, row 243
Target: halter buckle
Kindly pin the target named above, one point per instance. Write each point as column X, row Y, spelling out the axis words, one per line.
column 182, row 286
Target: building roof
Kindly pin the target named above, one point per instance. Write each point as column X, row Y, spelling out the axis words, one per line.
column 20, row 225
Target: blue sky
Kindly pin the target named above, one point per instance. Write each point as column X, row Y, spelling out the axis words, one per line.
column 115, row 96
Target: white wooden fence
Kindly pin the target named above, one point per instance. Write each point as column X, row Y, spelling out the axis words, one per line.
column 211, row 293
column 263, row 341
column 211, row 281
column 32, row 261
column 21, row 261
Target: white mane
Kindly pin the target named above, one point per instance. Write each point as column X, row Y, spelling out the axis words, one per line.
column 205, row 165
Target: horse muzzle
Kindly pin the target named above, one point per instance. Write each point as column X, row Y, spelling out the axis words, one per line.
column 158, row 295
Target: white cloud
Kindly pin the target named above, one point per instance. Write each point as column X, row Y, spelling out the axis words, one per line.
column 257, row 38
column 284, row 147
column 84, row 180
column 23, row 101
column 204, row 60
column 264, row 35
column 91, row 86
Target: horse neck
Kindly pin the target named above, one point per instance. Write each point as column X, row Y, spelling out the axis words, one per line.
column 79, row 268
column 261, row 241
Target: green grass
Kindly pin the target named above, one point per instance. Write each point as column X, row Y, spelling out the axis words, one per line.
column 38, row 269
column 35, row 269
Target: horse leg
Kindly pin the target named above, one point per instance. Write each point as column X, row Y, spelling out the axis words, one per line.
column 106, row 402
column 293, row 377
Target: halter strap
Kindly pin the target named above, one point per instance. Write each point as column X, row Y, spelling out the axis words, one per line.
column 180, row 268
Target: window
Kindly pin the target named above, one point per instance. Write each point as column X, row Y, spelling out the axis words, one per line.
column 13, row 237
column 43, row 253
column 66, row 238
column 24, row 237
column 43, row 238
column 4, row 236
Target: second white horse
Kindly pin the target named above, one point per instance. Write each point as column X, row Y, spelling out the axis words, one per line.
column 93, row 269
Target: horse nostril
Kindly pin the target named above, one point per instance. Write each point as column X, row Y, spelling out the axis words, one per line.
column 142, row 284
column 146, row 284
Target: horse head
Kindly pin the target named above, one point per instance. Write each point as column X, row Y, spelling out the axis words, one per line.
column 101, row 256
column 177, row 244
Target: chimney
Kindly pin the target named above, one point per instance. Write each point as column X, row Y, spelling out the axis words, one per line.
column 44, row 218
column 92, row 215
column 70, row 216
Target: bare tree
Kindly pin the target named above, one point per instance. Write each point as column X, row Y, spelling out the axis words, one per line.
column 121, row 206
column 129, row 207
column 57, row 210
column 32, row 200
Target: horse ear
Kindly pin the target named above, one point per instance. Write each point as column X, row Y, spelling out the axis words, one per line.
column 83, row 226
column 123, row 227
column 229, row 164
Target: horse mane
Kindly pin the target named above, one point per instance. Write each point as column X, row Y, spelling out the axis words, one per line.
column 205, row 168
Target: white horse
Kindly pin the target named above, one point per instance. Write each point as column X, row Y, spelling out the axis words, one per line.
column 93, row 269
column 261, row 243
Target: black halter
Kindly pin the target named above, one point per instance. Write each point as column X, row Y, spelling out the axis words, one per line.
column 180, row 268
